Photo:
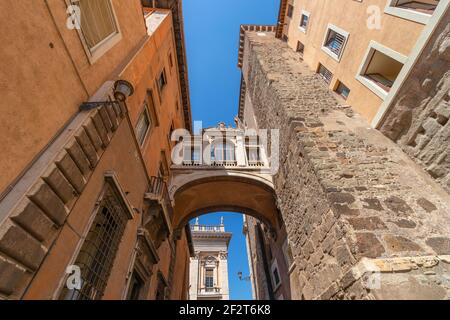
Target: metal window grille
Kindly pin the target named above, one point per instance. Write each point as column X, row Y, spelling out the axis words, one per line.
column 325, row 73
column 342, row 90
column 99, row 249
column 335, row 42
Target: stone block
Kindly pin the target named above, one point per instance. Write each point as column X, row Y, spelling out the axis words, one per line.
column 18, row 244
column 60, row 185
column 341, row 198
column 440, row 245
column 397, row 205
column 101, row 129
column 49, row 202
column 431, row 127
column 13, row 278
column 112, row 117
column 87, row 146
column 79, row 157
column 367, row 223
column 30, row 217
column 70, row 170
column 373, row 204
column 404, row 223
column 368, row 245
column 93, row 135
column 106, row 120
column 399, row 244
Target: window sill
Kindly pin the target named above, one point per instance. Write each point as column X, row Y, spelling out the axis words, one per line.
column 302, row 29
column 372, row 86
column 407, row 14
column 331, row 54
column 99, row 50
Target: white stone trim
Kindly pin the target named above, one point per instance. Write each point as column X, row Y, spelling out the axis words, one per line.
column 343, row 33
column 407, row 14
column 413, row 57
column 272, row 268
column 375, row 46
column 94, row 53
column 308, row 14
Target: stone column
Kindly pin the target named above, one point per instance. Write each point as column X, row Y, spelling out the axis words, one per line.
column 240, row 152
column 194, row 273
column 223, row 271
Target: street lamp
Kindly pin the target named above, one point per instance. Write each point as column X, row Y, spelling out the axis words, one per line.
column 122, row 90
column 247, row 278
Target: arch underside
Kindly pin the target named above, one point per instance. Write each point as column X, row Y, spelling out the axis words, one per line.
column 225, row 193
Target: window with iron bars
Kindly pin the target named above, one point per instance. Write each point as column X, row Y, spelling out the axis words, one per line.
column 335, row 42
column 290, row 11
column 97, row 254
column 325, row 73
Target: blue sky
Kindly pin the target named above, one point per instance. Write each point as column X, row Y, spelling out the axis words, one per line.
column 237, row 253
column 212, row 39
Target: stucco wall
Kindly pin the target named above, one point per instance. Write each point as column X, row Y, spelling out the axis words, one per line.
column 45, row 74
column 397, row 34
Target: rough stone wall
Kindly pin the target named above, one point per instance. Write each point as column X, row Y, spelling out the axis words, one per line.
column 418, row 120
column 258, row 274
column 346, row 192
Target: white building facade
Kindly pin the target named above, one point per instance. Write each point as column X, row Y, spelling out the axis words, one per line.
column 209, row 267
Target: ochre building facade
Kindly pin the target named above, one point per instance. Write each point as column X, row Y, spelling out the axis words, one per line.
column 85, row 185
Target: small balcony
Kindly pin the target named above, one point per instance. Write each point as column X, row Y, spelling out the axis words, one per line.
column 209, row 291
column 159, row 213
column 206, row 228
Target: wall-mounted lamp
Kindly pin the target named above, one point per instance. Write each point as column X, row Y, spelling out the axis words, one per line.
column 122, row 90
column 243, row 278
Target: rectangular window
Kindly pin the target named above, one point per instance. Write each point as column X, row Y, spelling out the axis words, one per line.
column 136, row 286
column 380, row 68
column 342, row 90
column 276, row 280
column 161, row 289
column 300, row 48
column 325, row 73
column 253, row 148
column 97, row 21
column 99, row 249
column 143, row 125
column 335, row 40
column 192, row 154
column 304, row 20
column 209, row 278
column 162, row 81
column 170, row 60
column 419, row 11
column 423, row 6
column 290, row 11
